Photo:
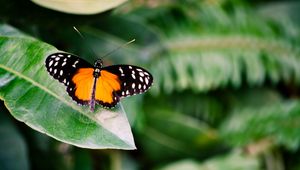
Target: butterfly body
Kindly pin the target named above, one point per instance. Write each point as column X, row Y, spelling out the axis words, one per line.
column 91, row 85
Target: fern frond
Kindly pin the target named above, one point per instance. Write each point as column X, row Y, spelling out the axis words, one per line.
column 219, row 62
column 279, row 121
column 218, row 55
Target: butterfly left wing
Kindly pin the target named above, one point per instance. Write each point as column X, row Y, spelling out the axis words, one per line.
column 133, row 79
column 66, row 68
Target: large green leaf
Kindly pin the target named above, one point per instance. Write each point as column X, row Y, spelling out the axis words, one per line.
column 33, row 97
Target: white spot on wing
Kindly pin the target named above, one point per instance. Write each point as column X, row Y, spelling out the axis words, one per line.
column 50, row 69
column 56, row 63
column 74, row 65
column 60, row 55
column 144, row 87
column 53, row 56
column 130, row 67
column 141, row 79
column 140, row 86
column 50, row 63
column 127, row 92
column 121, row 70
column 64, row 81
column 61, row 72
column 57, row 58
column 123, row 93
column 142, row 74
column 55, row 70
column 133, row 76
column 146, row 80
column 69, row 56
column 133, row 85
column 64, row 63
column 138, row 69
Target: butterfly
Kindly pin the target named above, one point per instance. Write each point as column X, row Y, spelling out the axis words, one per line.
column 91, row 85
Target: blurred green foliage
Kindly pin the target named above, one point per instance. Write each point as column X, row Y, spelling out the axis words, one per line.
column 225, row 94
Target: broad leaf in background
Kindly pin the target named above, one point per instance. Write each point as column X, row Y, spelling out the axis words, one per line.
column 33, row 97
column 12, row 145
column 178, row 135
column 80, row 6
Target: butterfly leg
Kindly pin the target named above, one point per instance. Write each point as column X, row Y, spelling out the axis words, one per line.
column 92, row 101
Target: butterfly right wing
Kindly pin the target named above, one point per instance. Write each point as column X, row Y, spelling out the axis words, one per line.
column 117, row 81
column 63, row 67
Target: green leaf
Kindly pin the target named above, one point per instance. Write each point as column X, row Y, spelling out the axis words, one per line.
column 161, row 133
column 79, row 6
column 232, row 161
column 186, row 164
column 207, row 107
column 277, row 121
column 12, row 145
column 35, row 98
column 7, row 30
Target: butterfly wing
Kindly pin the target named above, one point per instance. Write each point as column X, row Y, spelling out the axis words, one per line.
column 125, row 80
column 72, row 72
column 107, row 86
column 114, row 82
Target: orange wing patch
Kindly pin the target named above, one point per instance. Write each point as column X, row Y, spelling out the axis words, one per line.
column 83, row 81
column 107, row 84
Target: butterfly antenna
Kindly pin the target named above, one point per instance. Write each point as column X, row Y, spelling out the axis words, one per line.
column 82, row 37
column 121, row 46
column 109, row 53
